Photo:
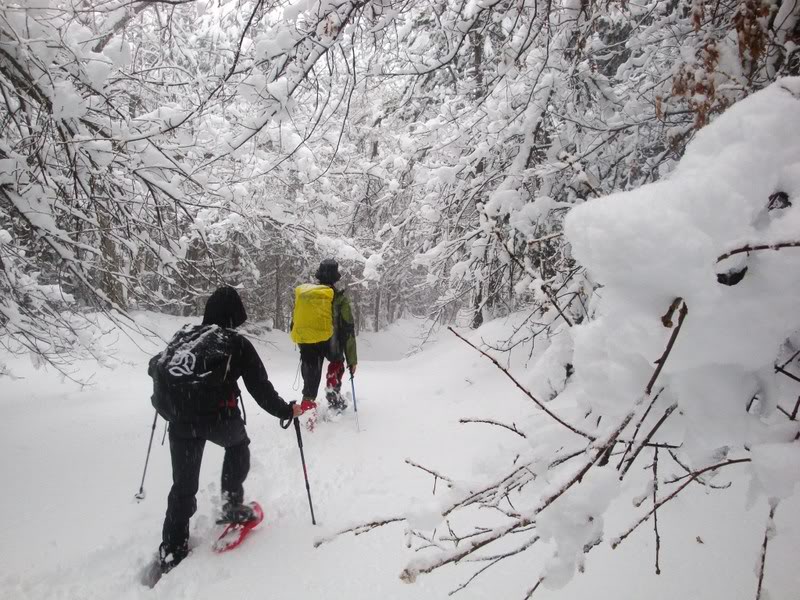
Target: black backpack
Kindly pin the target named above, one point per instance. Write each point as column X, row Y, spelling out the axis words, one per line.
column 192, row 378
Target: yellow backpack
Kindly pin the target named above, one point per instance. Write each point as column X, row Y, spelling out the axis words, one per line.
column 312, row 320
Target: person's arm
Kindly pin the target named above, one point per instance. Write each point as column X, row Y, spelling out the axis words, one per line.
column 348, row 333
column 258, row 384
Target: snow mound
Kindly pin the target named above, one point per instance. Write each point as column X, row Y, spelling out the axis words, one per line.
column 738, row 185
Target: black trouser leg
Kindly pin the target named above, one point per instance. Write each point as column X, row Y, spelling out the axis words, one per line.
column 311, row 358
column 232, row 436
column 235, row 467
column 187, row 454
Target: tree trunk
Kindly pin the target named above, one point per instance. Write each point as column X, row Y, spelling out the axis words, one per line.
column 356, row 313
column 477, row 308
column 278, row 321
column 110, row 284
column 377, row 324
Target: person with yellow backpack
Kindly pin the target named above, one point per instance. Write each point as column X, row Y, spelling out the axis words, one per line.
column 323, row 327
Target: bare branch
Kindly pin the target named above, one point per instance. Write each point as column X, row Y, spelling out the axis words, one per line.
column 638, row 426
column 416, row 568
column 512, row 428
column 524, row 390
column 534, row 588
column 358, row 529
column 427, row 470
column 647, row 438
column 768, row 532
column 757, row 247
column 655, row 513
column 661, row 361
column 661, row 503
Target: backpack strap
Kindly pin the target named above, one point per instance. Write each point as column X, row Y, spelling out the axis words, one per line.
column 240, row 399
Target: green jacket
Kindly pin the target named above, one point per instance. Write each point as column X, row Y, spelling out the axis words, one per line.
column 344, row 329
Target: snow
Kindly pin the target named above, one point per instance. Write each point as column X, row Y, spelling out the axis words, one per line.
column 662, row 241
column 771, row 464
column 67, row 102
column 552, row 130
column 73, row 458
column 373, row 267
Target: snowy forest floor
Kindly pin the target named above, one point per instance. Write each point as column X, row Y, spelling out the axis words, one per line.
column 72, row 459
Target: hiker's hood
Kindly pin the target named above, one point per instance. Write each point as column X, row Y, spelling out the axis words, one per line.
column 225, row 308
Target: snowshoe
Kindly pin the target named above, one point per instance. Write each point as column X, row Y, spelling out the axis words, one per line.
column 237, row 513
column 336, row 401
column 235, row 532
column 309, row 407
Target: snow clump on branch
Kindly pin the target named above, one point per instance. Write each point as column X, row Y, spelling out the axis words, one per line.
column 666, row 240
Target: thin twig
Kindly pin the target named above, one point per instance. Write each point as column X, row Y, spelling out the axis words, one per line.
column 791, row 358
column 534, row 588
column 647, row 438
column 783, row 371
column 654, row 445
column 638, row 426
column 431, row 471
column 667, row 321
column 511, row 428
column 694, row 476
column 688, row 471
column 492, row 561
column 655, row 513
column 661, row 361
column 524, row 390
column 547, row 293
column 416, row 568
column 545, row 238
column 757, row 247
column 358, row 529
column 767, row 534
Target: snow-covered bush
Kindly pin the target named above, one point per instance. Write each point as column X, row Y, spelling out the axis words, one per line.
column 687, row 367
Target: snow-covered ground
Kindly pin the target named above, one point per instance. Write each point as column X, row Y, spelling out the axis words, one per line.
column 72, row 459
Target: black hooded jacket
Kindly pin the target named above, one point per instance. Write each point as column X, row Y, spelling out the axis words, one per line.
column 200, row 367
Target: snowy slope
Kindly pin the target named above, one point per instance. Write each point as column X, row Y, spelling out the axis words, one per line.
column 72, row 459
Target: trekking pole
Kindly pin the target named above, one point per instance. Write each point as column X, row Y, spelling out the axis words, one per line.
column 305, row 471
column 355, row 404
column 303, row 460
column 141, row 494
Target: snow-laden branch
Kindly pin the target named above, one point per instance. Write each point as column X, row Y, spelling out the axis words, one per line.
column 757, row 247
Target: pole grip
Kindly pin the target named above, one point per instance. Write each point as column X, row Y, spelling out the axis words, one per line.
column 288, row 421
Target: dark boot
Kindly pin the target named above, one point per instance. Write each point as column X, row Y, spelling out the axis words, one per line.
column 170, row 556
column 335, row 400
column 236, row 513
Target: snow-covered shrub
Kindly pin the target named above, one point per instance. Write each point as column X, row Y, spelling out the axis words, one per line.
column 678, row 359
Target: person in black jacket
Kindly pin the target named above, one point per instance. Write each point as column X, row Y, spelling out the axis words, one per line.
column 202, row 364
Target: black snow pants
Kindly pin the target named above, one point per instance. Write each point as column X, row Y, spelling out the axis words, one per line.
column 186, row 443
column 312, row 357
